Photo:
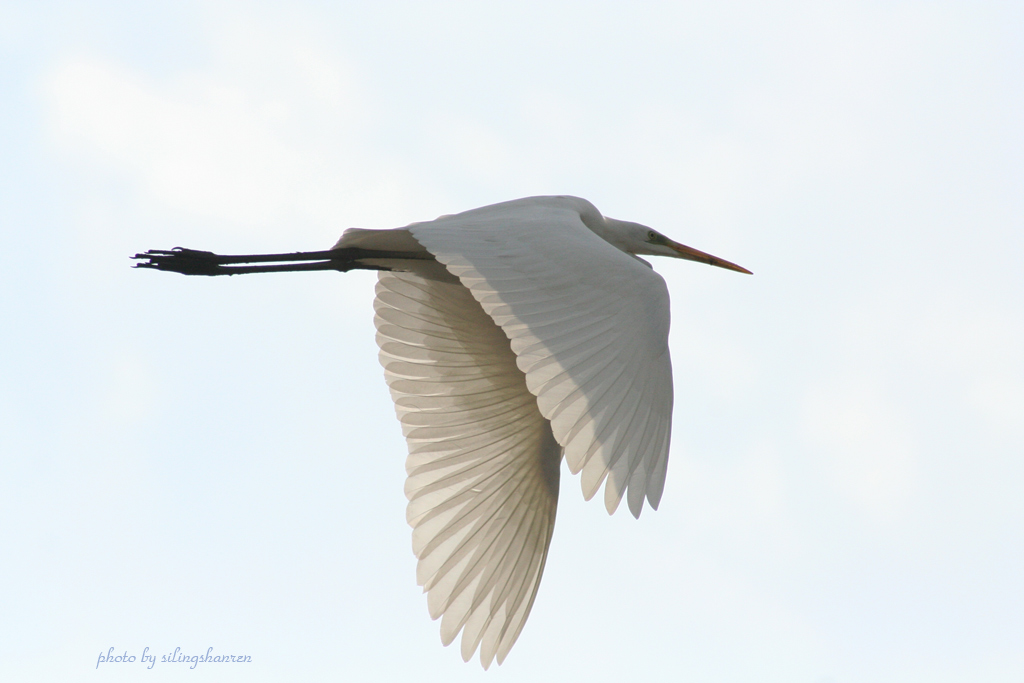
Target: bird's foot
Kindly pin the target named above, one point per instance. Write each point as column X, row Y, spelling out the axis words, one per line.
column 181, row 260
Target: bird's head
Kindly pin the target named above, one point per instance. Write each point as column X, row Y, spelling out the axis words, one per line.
column 637, row 239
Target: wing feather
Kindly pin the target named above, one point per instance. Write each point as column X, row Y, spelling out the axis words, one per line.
column 483, row 464
column 536, row 339
column 589, row 326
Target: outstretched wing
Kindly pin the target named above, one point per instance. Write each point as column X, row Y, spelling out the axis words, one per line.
column 483, row 465
column 589, row 327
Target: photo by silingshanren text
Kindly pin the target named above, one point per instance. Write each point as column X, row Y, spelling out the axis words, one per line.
column 149, row 659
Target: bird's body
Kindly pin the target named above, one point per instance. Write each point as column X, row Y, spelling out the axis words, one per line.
column 510, row 336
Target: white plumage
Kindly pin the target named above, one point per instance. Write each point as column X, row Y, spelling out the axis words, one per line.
column 483, row 464
column 552, row 340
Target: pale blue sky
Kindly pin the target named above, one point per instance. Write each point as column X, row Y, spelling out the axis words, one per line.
column 194, row 462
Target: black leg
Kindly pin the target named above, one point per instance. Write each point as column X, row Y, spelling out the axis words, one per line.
column 194, row 262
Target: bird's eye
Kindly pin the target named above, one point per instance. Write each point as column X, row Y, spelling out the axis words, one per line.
column 652, row 236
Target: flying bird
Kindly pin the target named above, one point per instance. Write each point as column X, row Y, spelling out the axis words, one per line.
column 511, row 336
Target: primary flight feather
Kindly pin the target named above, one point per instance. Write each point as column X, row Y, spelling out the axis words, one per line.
column 510, row 335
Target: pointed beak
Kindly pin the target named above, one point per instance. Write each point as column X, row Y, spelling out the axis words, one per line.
column 691, row 254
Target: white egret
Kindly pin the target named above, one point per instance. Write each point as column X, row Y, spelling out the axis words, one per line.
column 511, row 336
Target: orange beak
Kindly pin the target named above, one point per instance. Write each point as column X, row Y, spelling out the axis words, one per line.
column 691, row 254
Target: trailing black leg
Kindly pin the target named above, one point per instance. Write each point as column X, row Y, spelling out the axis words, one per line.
column 194, row 262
